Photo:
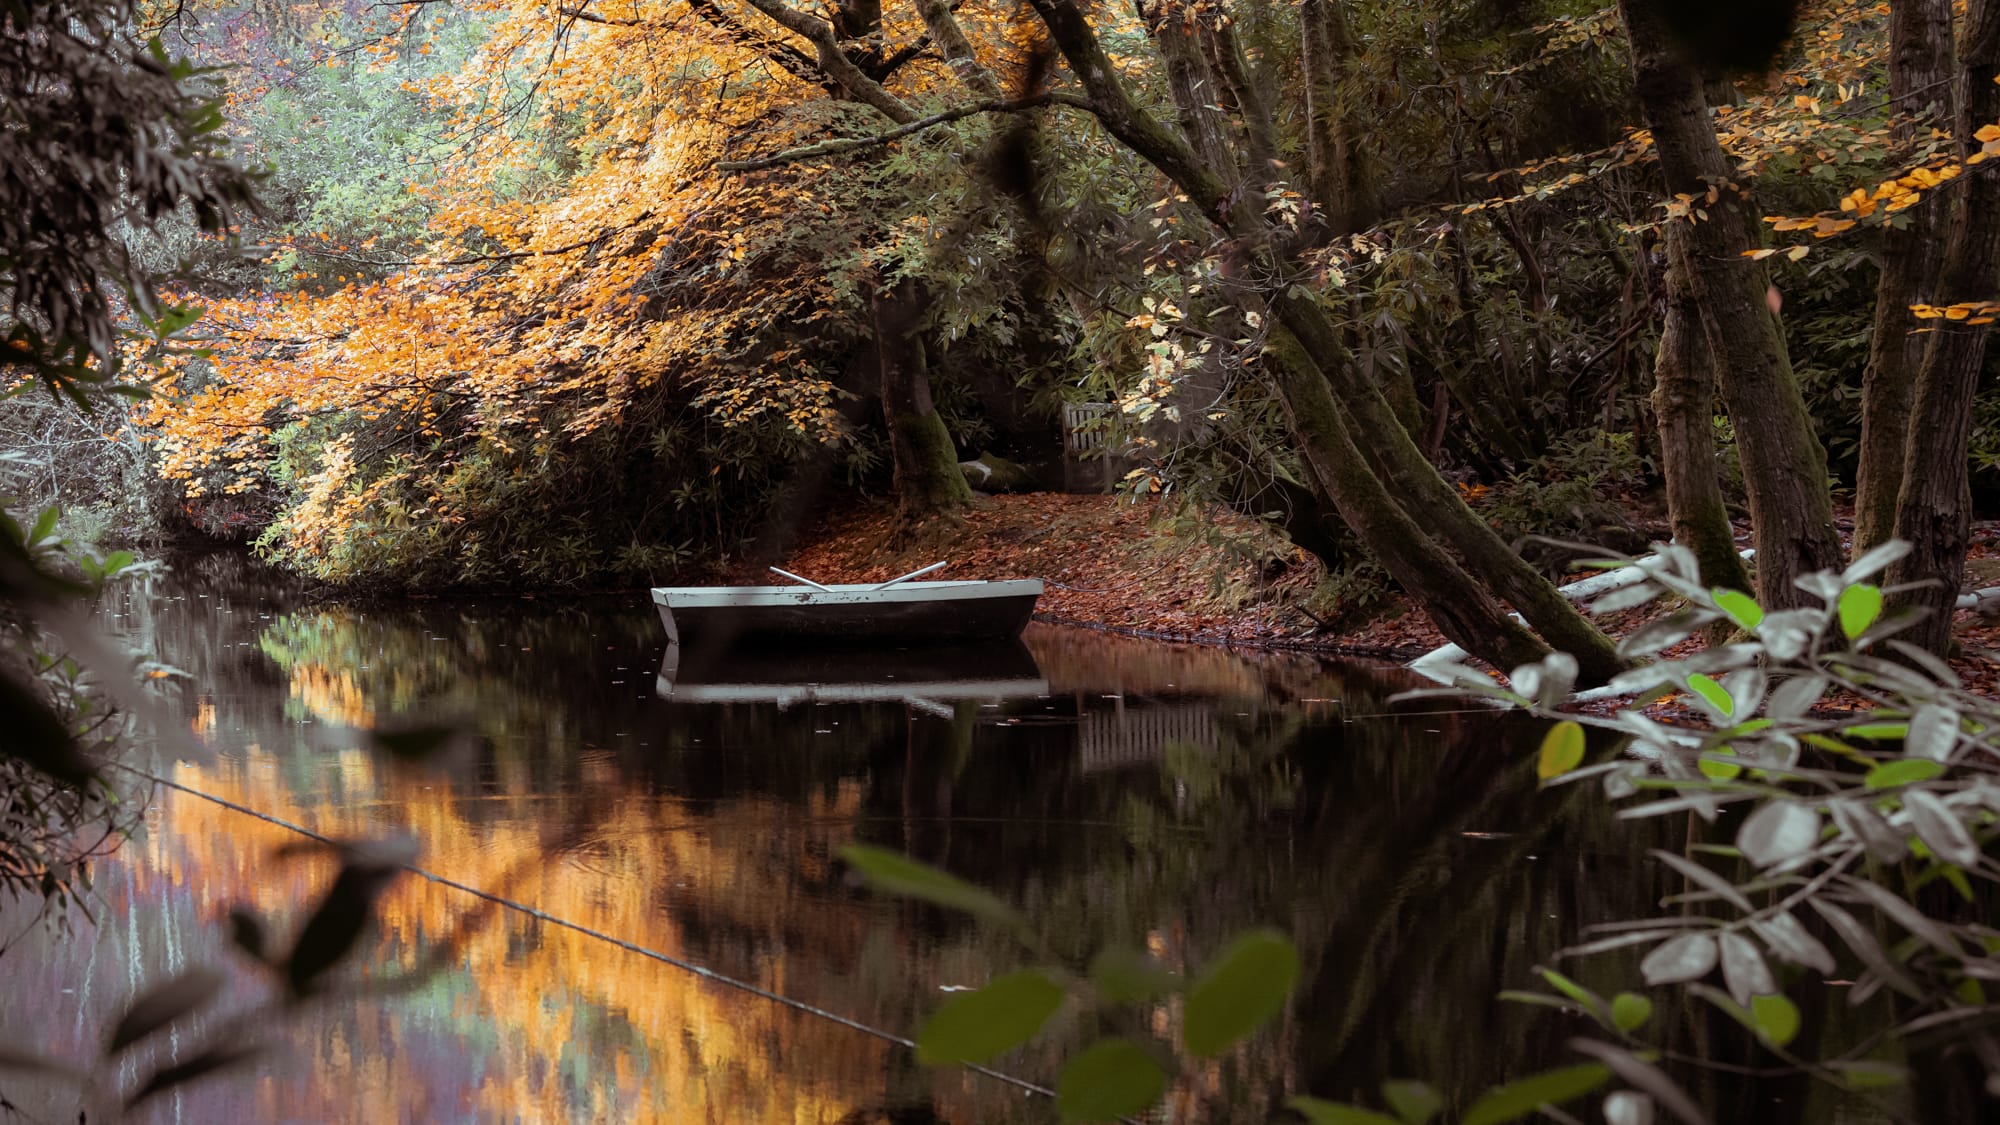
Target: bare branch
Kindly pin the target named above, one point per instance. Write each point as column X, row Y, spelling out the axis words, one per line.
column 835, row 62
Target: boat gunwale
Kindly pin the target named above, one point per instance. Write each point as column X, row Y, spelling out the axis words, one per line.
column 735, row 597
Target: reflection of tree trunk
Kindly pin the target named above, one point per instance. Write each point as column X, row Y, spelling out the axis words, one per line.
column 1919, row 78
column 1684, row 400
column 1933, row 510
column 928, row 481
column 1784, row 467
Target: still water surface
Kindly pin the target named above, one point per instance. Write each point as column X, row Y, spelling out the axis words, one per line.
column 1131, row 794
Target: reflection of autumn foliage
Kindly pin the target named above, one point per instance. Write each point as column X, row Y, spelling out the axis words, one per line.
column 548, row 998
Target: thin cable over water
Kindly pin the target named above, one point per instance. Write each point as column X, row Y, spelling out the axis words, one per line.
column 702, row 971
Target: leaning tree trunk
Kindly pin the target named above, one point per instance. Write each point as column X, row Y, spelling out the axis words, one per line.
column 1462, row 611
column 1919, row 82
column 1933, row 510
column 1312, row 377
column 928, row 479
column 1784, row 466
column 1684, row 401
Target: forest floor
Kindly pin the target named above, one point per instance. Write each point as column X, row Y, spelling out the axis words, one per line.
column 1148, row 568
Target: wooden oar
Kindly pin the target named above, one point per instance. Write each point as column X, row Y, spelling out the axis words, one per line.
column 918, row 573
column 800, row 578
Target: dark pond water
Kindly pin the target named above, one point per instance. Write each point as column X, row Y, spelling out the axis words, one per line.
column 1121, row 792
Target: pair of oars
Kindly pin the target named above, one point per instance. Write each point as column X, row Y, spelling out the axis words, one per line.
column 918, row 573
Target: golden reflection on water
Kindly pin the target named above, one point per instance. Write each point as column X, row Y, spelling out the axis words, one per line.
column 545, row 1004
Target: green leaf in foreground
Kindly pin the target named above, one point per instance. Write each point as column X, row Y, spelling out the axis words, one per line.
column 1714, row 693
column 976, row 1026
column 1126, row 976
column 1516, row 1100
column 1562, row 750
column 1114, row 1078
column 1775, row 1018
column 1318, row 1112
column 898, row 874
column 1414, row 1102
column 1858, row 607
column 1246, row 986
column 1741, row 608
column 1903, row 771
column 1863, row 1074
column 1629, row 1011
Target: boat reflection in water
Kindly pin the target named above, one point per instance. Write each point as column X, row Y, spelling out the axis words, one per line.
column 928, row 678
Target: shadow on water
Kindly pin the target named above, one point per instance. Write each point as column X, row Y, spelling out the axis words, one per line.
column 1121, row 792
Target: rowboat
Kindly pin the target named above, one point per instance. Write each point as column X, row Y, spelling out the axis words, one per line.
column 899, row 610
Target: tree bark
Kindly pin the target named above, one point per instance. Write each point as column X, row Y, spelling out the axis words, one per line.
column 1919, row 83
column 1684, row 402
column 1336, row 167
column 1933, row 508
column 928, row 481
column 1423, row 501
column 1463, row 612
column 1784, row 466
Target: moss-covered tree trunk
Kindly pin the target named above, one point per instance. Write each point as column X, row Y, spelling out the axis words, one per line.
column 928, row 481
column 1933, row 509
column 1462, row 610
column 1919, row 84
column 1784, row 466
column 1342, row 424
column 1684, row 402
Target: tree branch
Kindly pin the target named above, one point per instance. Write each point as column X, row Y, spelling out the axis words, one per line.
column 834, row 61
column 851, row 144
column 787, row 58
column 942, row 26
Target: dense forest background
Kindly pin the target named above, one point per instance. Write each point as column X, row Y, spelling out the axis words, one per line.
column 557, row 294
